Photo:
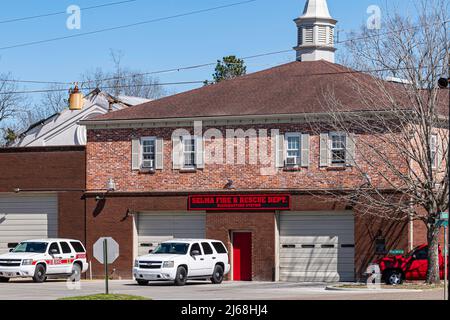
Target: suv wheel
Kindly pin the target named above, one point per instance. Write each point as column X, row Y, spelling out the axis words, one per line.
column 142, row 282
column 181, row 276
column 39, row 274
column 394, row 277
column 76, row 273
column 2, row 279
column 217, row 276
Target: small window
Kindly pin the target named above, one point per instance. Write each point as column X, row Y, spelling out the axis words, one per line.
column 65, row 247
column 148, row 153
column 292, row 150
column 194, row 247
column 338, row 143
column 188, row 152
column 433, row 150
column 220, row 248
column 421, row 254
column 207, row 248
column 54, row 246
column 78, row 247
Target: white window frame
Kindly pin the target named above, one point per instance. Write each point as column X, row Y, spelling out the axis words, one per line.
column 286, row 149
column 141, row 153
column 331, row 136
column 434, row 150
column 183, row 153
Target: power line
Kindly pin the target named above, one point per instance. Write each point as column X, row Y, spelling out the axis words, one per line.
column 177, row 69
column 109, row 87
column 64, row 12
column 26, row 44
column 349, row 71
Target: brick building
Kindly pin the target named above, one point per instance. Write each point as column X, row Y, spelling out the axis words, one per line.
column 185, row 166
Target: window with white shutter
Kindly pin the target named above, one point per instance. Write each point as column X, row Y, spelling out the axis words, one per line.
column 338, row 148
column 148, row 153
column 293, row 149
column 189, row 155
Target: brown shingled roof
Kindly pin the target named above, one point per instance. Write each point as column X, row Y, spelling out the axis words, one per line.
column 292, row 88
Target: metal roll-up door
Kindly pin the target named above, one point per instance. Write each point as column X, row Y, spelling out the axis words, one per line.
column 27, row 217
column 154, row 228
column 317, row 246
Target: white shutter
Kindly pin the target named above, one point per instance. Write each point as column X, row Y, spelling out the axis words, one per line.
column 350, row 149
column 280, row 155
column 159, row 154
column 135, row 154
column 199, row 153
column 176, row 153
column 439, row 153
column 324, row 150
column 305, row 145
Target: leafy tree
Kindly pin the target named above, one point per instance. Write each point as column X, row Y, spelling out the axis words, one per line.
column 230, row 67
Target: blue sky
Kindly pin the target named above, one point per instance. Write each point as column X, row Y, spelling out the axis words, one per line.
column 262, row 26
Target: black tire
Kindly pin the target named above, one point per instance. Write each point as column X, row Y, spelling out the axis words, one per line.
column 2, row 279
column 393, row 277
column 39, row 274
column 142, row 282
column 217, row 276
column 76, row 273
column 181, row 277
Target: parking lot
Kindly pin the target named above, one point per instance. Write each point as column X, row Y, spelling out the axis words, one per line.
column 51, row 290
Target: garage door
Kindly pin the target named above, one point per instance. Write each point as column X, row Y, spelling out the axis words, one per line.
column 25, row 217
column 156, row 228
column 317, row 246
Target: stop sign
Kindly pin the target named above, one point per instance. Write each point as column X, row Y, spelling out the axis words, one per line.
column 112, row 249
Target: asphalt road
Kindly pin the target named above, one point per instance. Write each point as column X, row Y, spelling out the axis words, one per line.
column 27, row 290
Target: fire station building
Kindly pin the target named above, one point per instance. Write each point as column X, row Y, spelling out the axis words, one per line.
column 154, row 173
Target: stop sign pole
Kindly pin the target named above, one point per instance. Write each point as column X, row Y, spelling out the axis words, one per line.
column 106, row 251
column 105, row 259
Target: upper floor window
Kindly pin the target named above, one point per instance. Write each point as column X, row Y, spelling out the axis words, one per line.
column 189, row 152
column 338, row 148
column 293, row 149
column 148, row 152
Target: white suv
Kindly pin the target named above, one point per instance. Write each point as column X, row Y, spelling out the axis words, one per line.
column 179, row 260
column 42, row 258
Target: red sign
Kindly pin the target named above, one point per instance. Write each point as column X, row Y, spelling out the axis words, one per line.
column 245, row 202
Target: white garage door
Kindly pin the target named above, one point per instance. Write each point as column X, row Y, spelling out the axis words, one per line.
column 317, row 246
column 25, row 217
column 156, row 228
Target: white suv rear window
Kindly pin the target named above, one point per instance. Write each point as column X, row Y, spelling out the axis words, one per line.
column 219, row 247
column 77, row 246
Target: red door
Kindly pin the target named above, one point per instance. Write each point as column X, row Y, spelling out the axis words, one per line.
column 242, row 256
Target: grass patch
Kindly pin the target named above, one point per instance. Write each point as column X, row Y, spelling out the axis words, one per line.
column 106, row 297
column 407, row 285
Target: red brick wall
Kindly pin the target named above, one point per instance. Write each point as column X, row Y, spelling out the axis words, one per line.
column 50, row 169
column 109, row 155
column 109, row 218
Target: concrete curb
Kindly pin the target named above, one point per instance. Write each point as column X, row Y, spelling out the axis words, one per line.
column 334, row 288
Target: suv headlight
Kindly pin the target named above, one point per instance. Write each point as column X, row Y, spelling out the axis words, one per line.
column 168, row 264
column 27, row 262
column 136, row 263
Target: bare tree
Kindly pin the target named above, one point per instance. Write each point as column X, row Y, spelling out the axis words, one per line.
column 10, row 106
column 123, row 81
column 401, row 130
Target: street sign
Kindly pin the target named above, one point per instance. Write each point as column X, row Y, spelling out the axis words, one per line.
column 112, row 250
column 397, row 252
column 443, row 216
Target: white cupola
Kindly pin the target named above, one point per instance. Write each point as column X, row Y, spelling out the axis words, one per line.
column 315, row 32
